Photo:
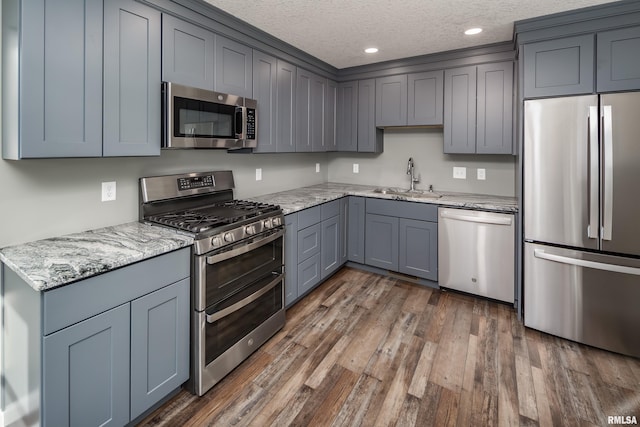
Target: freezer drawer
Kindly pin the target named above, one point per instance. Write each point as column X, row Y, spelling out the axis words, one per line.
column 476, row 252
column 582, row 296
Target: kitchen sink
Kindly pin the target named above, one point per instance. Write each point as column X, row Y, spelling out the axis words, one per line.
column 408, row 193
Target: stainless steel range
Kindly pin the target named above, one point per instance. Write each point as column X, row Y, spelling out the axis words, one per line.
column 237, row 271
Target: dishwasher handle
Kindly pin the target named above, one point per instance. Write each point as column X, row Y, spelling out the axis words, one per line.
column 494, row 219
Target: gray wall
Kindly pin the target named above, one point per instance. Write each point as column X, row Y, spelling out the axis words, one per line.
column 436, row 168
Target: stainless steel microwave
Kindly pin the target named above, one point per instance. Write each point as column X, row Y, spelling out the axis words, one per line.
column 198, row 118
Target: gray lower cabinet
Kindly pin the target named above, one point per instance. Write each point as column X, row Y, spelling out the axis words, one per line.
column 347, row 116
column 402, row 236
column 291, row 258
column 234, row 67
column 559, row 67
column 391, row 100
column 618, row 66
column 478, row 109
column 344, row 230
column 331, row 246
column 187, row 53
column 309, row 274
column 132, row 78
column 356, row 229
column 370, row 138
column 100, row 351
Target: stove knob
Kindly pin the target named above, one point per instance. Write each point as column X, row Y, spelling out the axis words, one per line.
column 250, row 229
column 228, row 237
column 215, row 241
column 276, row 222
column 267, row 223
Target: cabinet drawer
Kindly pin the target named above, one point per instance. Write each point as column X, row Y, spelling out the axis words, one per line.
column 309, row 274
column 330, row 209
column 70, row 304
column 308, row 242
column 309, row 217
column 402, row 209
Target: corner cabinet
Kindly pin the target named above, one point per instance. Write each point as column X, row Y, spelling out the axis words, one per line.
column 101, row 351
column 132, row 79
column 478, row 109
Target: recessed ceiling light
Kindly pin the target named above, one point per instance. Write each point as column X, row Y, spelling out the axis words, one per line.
column 472, row 31
column 371, row 50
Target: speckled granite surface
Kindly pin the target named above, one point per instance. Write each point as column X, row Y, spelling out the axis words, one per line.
column 306, row 197
column 45, row 264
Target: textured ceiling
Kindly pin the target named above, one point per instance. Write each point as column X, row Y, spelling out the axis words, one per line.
column 337, row 31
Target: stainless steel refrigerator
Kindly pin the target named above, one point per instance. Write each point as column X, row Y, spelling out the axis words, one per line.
column 582, row 219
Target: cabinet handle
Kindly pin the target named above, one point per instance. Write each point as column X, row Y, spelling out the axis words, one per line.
column 540, row 253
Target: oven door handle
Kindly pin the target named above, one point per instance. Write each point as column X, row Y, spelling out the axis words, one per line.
column 245, row 248
column 212, row 318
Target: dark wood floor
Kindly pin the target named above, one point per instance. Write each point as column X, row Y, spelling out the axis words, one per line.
column 369, row 350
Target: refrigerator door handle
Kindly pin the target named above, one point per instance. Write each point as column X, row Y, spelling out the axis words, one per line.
column 592, row 227
column 607, row 155
column 540, row 253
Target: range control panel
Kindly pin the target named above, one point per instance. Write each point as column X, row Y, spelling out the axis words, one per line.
column 195, row 182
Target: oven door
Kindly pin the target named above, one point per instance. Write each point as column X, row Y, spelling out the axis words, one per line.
column 219, row 275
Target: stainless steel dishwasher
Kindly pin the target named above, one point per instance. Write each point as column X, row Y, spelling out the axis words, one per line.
column 476, row 252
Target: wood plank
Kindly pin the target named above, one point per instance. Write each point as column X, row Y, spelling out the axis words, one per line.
column 525, row 389
column 423, row 370
column 447, row 414
column 358, row 403
column 542, row 403
column 507, row 385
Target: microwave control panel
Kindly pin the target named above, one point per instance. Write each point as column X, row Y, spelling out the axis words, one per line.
column 251, row 123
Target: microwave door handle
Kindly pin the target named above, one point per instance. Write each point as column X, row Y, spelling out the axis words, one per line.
column 241, row 122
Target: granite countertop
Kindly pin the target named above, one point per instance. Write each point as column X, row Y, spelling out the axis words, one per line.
column 46, row 264
column 301, row 198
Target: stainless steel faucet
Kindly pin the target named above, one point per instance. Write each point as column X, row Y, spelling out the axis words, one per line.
column 411, row 171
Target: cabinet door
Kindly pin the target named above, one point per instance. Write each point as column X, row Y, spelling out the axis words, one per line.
column 285, row 102
column 618, row 60
column 308, row 242
column 418, row 251
column 187, row 53
column 234, row 67
column 381, row 244
column 330, row 248
column 317, row 99
column 86, row 372
column 344, row 228
column 309, row 274
column 291, row 258
column 355, row 233
column 347, row 116
column 330, row 111
column 369, row 137
column 304, row 81
column 425, row 98
column 391, row 101
column 61, row 79
column 559, row 67
column 460, row 110
column 494, row 109
column 264, row 91
column 131, row 79
column 159, row 345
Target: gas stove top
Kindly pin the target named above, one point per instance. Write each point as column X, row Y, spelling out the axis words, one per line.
column 202, row 205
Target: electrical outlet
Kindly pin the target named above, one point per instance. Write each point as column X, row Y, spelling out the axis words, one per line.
column 317, row 167
column 459, row 172
column 356, row 168
column 108, row 191
column 481, row 174
column 259, row 174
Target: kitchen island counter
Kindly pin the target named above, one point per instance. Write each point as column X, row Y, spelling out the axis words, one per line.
column 301, row 198
column 49, row 263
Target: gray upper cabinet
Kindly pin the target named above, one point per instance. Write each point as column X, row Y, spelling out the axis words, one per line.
column 347, row 116
column 494, row 129
column 285, row 107
column 391, row 100
column 330, row 119
column 460, row 110
column 317, row 113
column 132, row 79
column 618, row 66
column 52, row 101
column 425, row 98
column 369, row 138
column 304, row 84
column 264, row 91
column 559, row 67
column 234, row 67
column 187, row 53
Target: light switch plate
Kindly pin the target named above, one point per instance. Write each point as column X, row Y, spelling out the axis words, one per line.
column 108, row 191
column 459, row 172
column 259, row 174
column 356, row 168
column 481, row 174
